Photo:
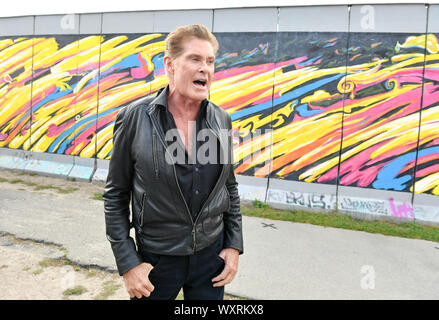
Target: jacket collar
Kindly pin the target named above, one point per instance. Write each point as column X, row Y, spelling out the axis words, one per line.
column 161, row 100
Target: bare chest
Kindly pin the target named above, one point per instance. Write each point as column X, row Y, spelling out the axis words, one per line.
column 186, row 130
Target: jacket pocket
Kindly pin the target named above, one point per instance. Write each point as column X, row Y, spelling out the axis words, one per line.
column 142, row 206
column 154, row 154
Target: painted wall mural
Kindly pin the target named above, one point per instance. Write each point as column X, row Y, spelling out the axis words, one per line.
column 333, row 108
column 15, row 90
column 427, row 161
column 243, row 85
column 381, row 118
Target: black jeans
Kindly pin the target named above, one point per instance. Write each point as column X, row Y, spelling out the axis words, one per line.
column 193, row 273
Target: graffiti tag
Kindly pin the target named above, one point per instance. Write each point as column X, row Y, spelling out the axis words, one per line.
column 308, row 200
column 363, row 205
column 404, row 210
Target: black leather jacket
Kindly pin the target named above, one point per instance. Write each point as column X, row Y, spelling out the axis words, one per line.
column 140, row 174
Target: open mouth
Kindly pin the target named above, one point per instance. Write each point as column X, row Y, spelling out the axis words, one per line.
column 201, row 83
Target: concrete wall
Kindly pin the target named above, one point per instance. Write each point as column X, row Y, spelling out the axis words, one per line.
column 343, row 98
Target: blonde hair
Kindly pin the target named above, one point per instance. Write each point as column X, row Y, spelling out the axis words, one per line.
column 174, row 40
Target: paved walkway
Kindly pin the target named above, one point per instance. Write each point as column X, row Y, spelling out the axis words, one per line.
column 282, row 260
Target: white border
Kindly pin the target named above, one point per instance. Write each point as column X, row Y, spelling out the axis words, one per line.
column 48, row 7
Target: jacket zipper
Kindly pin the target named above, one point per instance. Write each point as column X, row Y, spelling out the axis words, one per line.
column 153, row 120
column 175, row 172
column 184, row 200
column 154, row 151
column 141, row 210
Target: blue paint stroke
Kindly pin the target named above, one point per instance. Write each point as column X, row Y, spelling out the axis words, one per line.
column 62, row 148
column 285, row 98
column 304, row 111
column 239, row 62
column 158, row 63
column 309, row 61
column 224, row 57
column 53, row 96
column 129, row 62
column 386, row 178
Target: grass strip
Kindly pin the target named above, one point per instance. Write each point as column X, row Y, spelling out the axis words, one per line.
column 336, row 220
column 333, row 219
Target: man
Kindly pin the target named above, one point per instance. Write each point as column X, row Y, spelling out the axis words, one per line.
column 186, row 213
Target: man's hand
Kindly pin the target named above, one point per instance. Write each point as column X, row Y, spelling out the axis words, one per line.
column 137, row 282
column 231, row 257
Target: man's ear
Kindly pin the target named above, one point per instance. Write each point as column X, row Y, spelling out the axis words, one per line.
column 169, row 65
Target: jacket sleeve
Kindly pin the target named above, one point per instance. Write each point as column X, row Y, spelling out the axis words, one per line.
column 233, row 218
column 117, row 199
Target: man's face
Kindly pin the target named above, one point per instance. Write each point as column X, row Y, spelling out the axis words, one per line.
column 190, row 74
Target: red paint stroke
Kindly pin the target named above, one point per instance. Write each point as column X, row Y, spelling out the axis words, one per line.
column 411, row 99
column 393, row 153
column 36, row 74
column 102, row 122
column 18, row 112
column 37, row 98
column 252, row 70
column 17, row 128
column 331, row 40
column 229, row 55
column 110, row 81
column 81, row 141
column 91, row 66
column 7, row 79
column 430, row 74
column 427, row 171
column 243, row 100
column 88, row 93
column 54, row 130
column 285, row 159
column 140, row 72
column 431, row 95
column 351, row 170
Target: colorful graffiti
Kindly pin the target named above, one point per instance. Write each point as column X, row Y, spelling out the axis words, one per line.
column 77, row 85
column 354, row 123
column 334, row 108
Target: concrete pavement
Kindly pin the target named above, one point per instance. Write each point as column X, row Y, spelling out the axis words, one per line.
column 282, row 260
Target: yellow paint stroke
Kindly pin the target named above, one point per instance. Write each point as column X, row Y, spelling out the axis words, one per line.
column 428, row 183
column 419, row 42
column 319, row 95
